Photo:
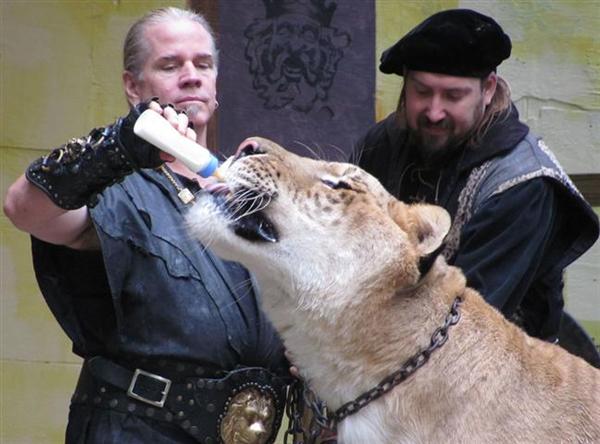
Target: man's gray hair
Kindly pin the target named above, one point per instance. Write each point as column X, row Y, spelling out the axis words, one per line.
column 135, row 48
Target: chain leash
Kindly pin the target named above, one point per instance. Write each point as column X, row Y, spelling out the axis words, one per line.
column 295, row 408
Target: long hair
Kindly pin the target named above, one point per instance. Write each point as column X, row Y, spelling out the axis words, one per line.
column 135, row 47
column 498, row 109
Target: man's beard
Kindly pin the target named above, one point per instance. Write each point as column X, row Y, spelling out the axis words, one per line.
column 432, row 143
column 436, row 148
column 192, row 111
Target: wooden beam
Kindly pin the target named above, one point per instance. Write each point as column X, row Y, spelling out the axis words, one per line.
column 589, row 185
column 210, row 10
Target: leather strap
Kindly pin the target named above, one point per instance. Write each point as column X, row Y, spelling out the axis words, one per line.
column 203, row 407
column 110, row 372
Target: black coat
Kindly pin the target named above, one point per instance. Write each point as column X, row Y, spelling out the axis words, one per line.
column 515, row 246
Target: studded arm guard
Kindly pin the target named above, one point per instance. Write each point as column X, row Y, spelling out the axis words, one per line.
column 73, row 174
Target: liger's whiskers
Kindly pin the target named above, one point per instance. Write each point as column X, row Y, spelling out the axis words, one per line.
column 310, row 150
column 341, row 155
column 257, row 204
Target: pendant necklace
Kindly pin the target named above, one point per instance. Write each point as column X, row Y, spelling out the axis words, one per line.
column 184, row 194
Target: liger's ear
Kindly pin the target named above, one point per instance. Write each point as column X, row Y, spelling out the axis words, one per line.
column 426, row 225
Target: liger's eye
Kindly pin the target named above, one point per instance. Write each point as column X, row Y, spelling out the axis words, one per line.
column 337, row 185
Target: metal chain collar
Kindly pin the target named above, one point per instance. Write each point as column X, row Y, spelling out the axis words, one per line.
column 326, row 420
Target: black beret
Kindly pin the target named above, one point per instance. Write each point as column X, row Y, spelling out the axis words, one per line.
column 458, row 42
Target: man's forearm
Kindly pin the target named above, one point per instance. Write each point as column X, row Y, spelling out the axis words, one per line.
column 74, row 174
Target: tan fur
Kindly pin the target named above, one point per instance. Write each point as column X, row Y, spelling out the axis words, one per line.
column 342, row 286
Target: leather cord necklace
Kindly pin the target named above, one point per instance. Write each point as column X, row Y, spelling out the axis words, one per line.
column 183, row 193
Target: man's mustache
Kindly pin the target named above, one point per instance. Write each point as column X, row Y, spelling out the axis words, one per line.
column 424, row 122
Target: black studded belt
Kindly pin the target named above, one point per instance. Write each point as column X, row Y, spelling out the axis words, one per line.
column 243, row 405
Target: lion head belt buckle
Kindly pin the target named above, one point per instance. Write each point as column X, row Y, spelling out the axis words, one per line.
column 249, row 416
column 255, row 404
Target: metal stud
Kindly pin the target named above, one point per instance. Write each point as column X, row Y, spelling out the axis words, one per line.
column 113, row 403
column 149, row 411
column 210, row 407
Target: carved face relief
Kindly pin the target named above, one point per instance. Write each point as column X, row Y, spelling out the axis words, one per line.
column 293, row 54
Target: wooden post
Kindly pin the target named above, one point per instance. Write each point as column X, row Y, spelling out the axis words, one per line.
column 210, row 10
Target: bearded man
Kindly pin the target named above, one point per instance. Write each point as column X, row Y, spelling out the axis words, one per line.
column 456, row 140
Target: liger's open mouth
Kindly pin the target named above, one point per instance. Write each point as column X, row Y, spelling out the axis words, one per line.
column 243, row 206
column 245, row 210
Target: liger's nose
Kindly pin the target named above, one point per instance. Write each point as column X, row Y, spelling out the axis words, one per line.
column 247, row 149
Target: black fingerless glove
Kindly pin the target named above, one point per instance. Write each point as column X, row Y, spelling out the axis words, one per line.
column 73, row 174
column 141, row 153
